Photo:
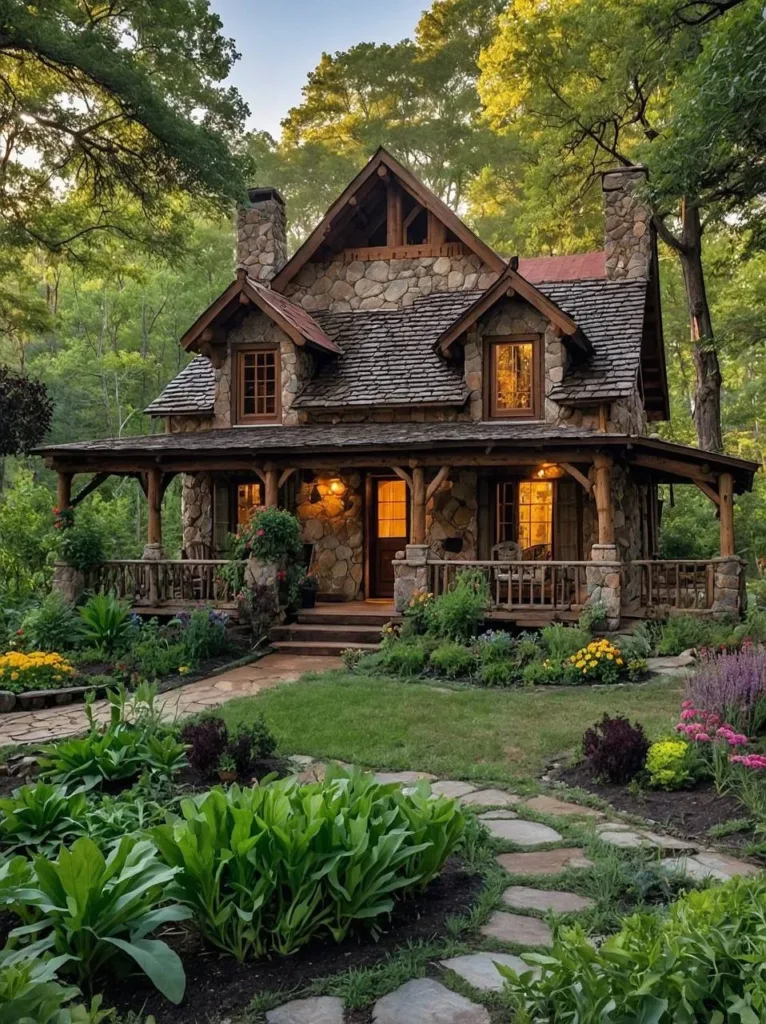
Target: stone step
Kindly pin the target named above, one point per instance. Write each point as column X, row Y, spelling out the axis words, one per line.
column 350, row 636
column 315, row 649
column 318, row 617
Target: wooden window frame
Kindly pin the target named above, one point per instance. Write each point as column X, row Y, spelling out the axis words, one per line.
column 239, row 377
column 491, row 342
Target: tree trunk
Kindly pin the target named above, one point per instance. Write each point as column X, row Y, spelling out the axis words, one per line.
column 707, row 391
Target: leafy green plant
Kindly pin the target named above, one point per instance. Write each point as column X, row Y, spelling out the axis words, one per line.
column 51, row 626
column 271, row 535
column 126, row 815
column 458, row 614
column 100, row 910
column 452, row 660
column 29, row 990
column 682, row 632
column 82, row 545
column 203, row 635
column 701, row 961
column 403, row 657
column 669, row 764
column 542, row 673
column 105, row 622
column 559, row 641
column 593, row 616
column 269, row 868
column 497, row 673
column 418, row 615
column 39, row 817
column 494, row 645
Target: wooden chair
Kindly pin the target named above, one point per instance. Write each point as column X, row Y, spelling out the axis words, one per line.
column 194, row 576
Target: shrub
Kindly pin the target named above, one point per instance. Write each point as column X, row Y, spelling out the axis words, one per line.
column 641, row 643
column 21, row 672
column 209, row 740
column 204, row 635
column 497, row 673
column 82, row 545
column 271, row 535
column 51, row 626
column 593, row 616
column 559, row 641
column 404, row 658
column 268, row 869
column 419, row 613
column 682, row 632
column 527, row 648
column 600, row 662
column 206, row 739
column 698, row 962
column 39, row 817
column 668, row 763
column 542, row 673
column 29, row 991
column 99, row 911
column 452, row 659
column 615, row 750
column 732, row 686
column 351, row 656
column 494, row 645
column 459, row 613
column 106, row 623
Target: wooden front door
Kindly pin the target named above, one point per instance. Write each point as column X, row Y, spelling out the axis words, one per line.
column 389, row 532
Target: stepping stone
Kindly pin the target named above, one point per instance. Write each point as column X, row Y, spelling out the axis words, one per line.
column 490, row 798
column 626, row 840
column 544, row 862
column 520, row 897
column 498, row 816
column 479, row 970
column 425, row 1001
column 613, row 826
column 523, row 833
column 550, row 805
column 320, row 1010
column 709, row 865
column 402, row 778
column 517, row 928
column 670, row 843
column 452, row 789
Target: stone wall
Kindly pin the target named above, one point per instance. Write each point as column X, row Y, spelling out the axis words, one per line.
column 197, row 509
column 334, row 526
column 627, row 225
column 453, row 513
column 262, row 234
column 384, row 284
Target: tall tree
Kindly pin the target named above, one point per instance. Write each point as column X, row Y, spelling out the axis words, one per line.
column 593, row 83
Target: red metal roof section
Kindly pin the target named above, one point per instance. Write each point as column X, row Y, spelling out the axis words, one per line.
column 302, row 321
column 582, row 266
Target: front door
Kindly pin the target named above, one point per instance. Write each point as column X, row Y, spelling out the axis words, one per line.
column 389, row 530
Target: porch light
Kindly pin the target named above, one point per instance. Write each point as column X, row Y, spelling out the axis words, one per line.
column 337, row 487
column 548, row 471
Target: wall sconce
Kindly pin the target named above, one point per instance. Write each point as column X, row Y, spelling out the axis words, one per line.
column 547, row 471
column 337, row 487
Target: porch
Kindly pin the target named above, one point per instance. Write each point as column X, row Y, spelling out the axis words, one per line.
column 554, row 517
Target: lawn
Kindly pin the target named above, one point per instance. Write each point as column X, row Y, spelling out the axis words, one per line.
column 470, row 733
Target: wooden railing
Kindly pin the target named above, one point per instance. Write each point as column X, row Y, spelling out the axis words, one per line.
column 682, row 584
column 559, row 586
column 165, row 582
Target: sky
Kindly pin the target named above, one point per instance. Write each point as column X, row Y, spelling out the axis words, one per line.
column 282, row 42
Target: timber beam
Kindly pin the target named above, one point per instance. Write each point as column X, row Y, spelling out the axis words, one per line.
column 91, row 486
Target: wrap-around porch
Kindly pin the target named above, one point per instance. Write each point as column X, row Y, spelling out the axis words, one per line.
column 553, row 522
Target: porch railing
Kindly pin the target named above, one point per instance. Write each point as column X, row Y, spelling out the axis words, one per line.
column 164, row 582
column 681, row 584
column 558, row 586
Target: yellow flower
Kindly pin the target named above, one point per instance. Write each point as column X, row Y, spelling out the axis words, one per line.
column 14, row 676
column 585, row 671
column 610, row 657
column 620, row 661
column 580, row 664
column 183, row 669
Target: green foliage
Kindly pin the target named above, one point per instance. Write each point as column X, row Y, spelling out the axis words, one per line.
column 458, row 614
column 699, row 961
column 271, row 535
column 669, row 764
column 39, row 817
column 559, row 641
column 105, row 623
column 593, row 616
column 452, row 660
column 267, row 869
column 542, row 673
column 27, row 539
column 418, row 615
column 126, row 815
column 29, row 990
column 101, row 910
column 204, row 635
column 50, row 626
column 497, row 673
column 81, row 545
column 682, row 632
column 406, row 658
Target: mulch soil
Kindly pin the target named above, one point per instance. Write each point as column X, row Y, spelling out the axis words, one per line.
column 688, row 813
column 218, row 986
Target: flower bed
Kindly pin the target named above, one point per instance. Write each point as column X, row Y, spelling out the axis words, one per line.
column 37, row 670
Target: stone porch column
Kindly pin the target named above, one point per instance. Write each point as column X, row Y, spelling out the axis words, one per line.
column 410, row 573
column 604, row 582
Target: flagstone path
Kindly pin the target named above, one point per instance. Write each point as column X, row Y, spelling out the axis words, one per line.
column 53, row 723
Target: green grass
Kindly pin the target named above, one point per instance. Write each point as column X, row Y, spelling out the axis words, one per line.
column 465, row 732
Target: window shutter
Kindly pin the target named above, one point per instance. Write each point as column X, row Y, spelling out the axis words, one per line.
column 567, row 544
column 221, row 518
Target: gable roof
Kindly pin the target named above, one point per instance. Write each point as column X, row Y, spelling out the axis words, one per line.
column 580, row 266
column 383, row 159
column 294, row 320
column 191, row 393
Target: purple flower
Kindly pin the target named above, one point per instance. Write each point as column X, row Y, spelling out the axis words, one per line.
column 732, row 686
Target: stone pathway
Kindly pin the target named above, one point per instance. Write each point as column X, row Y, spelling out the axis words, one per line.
column 425, row 1001
column 479, row 970
column 53, row 723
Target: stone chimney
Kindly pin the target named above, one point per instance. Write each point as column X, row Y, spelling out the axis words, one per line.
column 629, row 241
column 262, row 234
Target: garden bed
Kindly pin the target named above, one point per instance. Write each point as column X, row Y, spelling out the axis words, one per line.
column 218, row 985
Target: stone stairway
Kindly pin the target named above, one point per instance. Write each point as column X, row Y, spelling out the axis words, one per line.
column 329, row 628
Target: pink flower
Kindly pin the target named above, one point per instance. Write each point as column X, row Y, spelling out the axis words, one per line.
column 754, row 761
column 687, row 704
column 686, row 715
column 701, row 737
column 260, row 533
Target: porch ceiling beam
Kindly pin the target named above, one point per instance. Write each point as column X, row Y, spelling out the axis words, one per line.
column 709, row 492
column 97, row 480
column 575, row 473
column 437, row 481
column 689, row 470
column 285, row 476
column 403, row 475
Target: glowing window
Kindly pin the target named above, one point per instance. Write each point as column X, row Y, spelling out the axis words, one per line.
column 248, row 499
column 392, row 508
column 535, row 513
column 513, row 377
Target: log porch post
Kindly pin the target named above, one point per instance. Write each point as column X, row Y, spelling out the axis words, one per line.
column 64, row 490
column 272, row 487
column 154, row 502
column 418, row 527
column 603, row 491
column 726, row 506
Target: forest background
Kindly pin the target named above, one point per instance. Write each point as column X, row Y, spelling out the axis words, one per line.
column 115, row 239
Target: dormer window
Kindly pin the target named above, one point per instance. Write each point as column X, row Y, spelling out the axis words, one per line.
column 514, row 377
column 258, row 383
